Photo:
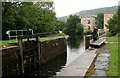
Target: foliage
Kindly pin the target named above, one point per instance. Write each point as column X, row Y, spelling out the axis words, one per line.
column 86, row 32
column 100, row 21
column 79, row 28
column 108, row 34
column 119, row 18
column 60, row 25
column 39, row 16
column 113, row 25
column 73, row 25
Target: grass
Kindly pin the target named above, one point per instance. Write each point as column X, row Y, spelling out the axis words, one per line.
column 113, row 59
column 6, row 42
column 52, row 37
column 112, row 39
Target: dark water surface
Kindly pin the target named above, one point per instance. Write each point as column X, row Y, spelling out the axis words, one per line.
column 75, row 47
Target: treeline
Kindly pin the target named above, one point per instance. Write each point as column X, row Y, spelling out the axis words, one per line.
column 38, row 16
column 114, row 24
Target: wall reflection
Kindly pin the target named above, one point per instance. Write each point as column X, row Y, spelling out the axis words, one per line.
column 50, row 68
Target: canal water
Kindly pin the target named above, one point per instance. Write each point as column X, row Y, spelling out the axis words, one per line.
column 75, row 47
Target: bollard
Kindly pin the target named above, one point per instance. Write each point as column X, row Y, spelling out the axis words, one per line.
column 87, row 41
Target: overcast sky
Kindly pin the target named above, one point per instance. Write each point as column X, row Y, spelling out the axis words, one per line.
column 67, row 7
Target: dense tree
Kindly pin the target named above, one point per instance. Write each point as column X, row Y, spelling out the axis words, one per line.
column 38, row 16
column 73, row 25
column 60, row 25
column 79, row 28
column 119, row 19
column 113, row 25
column 100, row 21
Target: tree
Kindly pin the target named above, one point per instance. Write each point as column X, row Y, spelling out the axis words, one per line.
column 79, row 29
column 9, row 13
column 60, row 25
column 113, row 25
column 39, row 16
column 119, row 18
column 73, row 25
column 100, row 21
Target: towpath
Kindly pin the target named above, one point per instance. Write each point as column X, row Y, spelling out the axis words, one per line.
column 79, row 66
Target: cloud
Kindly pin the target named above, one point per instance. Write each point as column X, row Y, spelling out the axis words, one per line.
column 67, row 7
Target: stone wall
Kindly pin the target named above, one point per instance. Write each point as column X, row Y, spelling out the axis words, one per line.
column 52, row 48
column 10, row 62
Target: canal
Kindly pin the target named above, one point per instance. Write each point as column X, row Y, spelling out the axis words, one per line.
column 75, row 47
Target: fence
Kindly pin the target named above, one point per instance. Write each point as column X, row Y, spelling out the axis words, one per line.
column 16, row 33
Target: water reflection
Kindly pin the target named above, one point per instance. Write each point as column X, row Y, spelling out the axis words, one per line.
column 50, row 68
column 75, row 47
column 74, row 41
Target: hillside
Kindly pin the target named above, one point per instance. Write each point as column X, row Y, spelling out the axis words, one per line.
column 87, row 13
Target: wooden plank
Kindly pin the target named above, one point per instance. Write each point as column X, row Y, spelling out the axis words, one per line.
column 38, row 43
column 21, row 55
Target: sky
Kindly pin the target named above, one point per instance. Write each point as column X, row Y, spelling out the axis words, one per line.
column 67, row 7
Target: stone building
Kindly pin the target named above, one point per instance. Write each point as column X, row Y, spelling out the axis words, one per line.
column 107, row 16
column 88, row 22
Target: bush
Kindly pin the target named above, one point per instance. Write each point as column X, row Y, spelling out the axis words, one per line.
column 117, row 35
column 108, row 34
column 86, row 32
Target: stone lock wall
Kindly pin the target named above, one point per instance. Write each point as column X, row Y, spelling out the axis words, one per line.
column 11, row 55
column 10, row 62
column 52, row 48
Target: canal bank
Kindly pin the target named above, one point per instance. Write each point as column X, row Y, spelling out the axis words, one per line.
column 80, row 65
column 106, row 65
column 100, row 64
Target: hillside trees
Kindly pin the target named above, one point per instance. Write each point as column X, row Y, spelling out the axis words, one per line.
column 38, row 16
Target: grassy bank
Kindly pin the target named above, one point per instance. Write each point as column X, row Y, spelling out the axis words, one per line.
column 112, row 39
column 113, row 59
